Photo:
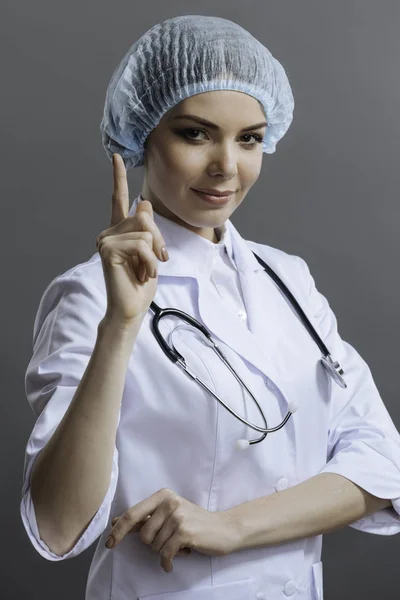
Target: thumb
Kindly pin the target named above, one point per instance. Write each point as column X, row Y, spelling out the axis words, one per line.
column 146, row 206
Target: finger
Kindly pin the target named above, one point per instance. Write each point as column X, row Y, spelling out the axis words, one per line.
column 141, row 523
column 120, row 195
column 146, row 221
column 170, row 550
column 161, row 527
column 136, row 527
column 133, row 227
column 184, row 552
column 132, row 517
column 131, row 249
column 146, row 206
column 156, row 546
column 141, row 221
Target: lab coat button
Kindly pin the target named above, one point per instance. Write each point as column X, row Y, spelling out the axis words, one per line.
column 260, row 596
column 282, row 484
column 241, row 314
column 290, row 588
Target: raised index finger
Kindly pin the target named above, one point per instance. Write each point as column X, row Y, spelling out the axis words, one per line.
column 120, row 195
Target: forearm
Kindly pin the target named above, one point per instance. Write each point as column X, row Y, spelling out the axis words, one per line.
column 321, row 504
column 72, row 473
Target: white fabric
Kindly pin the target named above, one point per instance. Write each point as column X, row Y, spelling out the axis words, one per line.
column 171, row 433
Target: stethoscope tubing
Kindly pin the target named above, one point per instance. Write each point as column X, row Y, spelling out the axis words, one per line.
column 333, row 368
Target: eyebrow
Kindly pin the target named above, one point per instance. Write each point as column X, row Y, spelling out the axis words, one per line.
column 213, row 126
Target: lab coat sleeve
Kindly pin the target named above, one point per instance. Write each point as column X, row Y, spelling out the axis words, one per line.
column 65, row 332
column 363, row 444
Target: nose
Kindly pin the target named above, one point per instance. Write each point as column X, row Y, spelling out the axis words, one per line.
column 223, row 161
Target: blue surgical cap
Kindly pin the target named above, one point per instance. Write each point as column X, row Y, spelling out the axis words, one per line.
column 181, row 57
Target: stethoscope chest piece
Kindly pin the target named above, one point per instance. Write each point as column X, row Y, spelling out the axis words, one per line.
column 334, row 370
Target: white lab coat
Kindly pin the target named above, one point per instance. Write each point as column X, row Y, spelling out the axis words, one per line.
column 173, row 434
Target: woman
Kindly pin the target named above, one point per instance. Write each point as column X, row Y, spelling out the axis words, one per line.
column 198, row 504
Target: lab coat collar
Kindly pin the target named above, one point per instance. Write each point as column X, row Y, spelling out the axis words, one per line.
column 258, row 341
column 191, row 254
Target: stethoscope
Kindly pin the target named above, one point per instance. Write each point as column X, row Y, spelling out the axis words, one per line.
column 332, row 367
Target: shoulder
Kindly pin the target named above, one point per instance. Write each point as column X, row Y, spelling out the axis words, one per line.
column 86, row 274
column 296, row 275
column 77, row 293
column 291, row 268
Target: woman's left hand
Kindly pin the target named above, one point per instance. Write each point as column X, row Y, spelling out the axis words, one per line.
column 170, row 524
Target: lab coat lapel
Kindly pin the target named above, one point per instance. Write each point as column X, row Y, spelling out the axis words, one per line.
column 258, row 343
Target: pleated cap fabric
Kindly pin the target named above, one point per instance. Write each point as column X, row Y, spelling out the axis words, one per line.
column 181, row 57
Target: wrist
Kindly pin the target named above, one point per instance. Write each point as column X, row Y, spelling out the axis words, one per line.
column 234, row 523
column 124, row 326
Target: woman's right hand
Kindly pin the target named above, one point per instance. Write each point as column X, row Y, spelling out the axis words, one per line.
column 129, row 250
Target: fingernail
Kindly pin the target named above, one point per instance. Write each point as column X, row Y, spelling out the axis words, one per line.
column 164, row 254
column 110, row 542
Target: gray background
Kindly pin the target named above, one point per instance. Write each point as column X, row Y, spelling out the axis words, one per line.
column 329, row 194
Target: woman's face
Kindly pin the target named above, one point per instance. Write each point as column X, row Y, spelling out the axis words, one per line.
column 182, row 154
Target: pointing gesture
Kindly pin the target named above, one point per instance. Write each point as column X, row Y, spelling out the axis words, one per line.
column 120, row 196
column 129, row 250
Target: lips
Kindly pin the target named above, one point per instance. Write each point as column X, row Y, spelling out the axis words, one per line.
column 217, row 200
column 217, row 193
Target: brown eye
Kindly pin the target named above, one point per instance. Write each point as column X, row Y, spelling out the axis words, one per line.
column 191, row 133
column 258, row 138
column 186, row 133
